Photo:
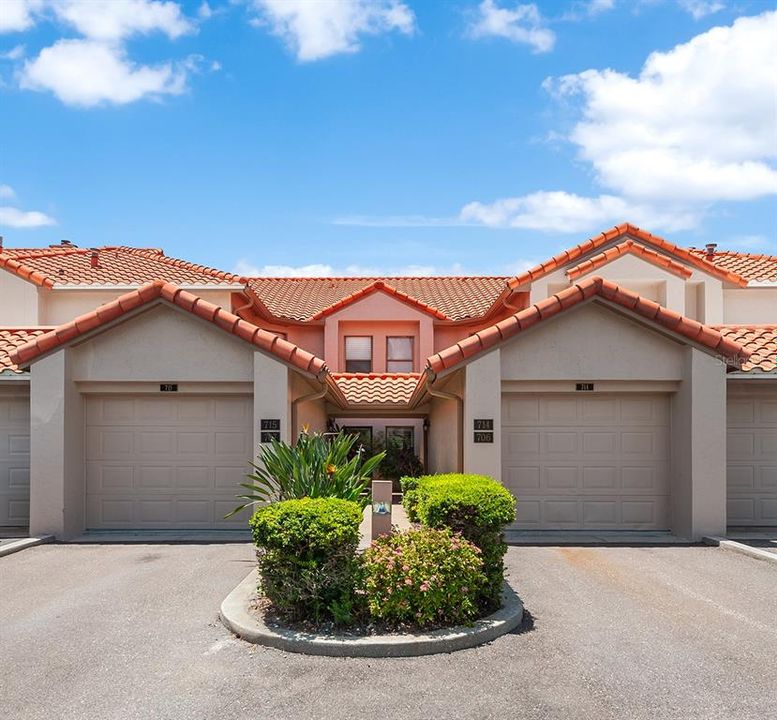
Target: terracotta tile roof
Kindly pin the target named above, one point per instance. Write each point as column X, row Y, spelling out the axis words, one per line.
column 759, row 340
column 451, row 298
column 584, row 290
column 755, row 268
column 363, row 389
column 121, row 266
column 12, row 338
column 578, row 251
column 267, row 341
column 632, row 248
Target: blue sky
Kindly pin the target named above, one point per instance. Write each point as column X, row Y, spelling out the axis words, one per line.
column 342, row 137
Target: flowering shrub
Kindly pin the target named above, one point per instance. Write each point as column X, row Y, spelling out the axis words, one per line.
column 424, row 577
column 476, row 506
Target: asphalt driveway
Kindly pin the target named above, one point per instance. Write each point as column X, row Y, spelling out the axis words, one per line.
column 131, row 631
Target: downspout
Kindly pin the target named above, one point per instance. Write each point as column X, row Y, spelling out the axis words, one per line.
column 249, row 304
column 317, row 395
column 508, row 305
column 459, row 413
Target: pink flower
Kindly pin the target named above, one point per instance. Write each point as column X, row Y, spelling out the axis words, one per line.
column 465, row 589
column 405, row 568
column 424, row 586
column 408, row 581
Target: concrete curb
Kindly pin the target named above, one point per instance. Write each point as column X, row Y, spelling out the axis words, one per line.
column 237, row 618
column 739, row 547
column 23, row 544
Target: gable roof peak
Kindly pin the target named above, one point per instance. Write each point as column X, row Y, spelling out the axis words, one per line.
column 174, row 295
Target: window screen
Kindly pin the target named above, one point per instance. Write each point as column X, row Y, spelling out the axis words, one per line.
column 358, row 354
column 400, row 437
column 399, row 354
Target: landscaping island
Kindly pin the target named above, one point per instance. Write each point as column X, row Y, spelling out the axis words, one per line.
column 436, row 587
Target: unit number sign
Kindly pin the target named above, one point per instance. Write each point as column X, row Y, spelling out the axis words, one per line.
column 270, row 429
column 483, row 430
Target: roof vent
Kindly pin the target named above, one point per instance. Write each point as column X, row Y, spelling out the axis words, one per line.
column 709, row 248
column 1, row 243
column 94, row 259
column 66, row 243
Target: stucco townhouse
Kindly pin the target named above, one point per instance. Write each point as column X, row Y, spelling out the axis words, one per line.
column 625, row 384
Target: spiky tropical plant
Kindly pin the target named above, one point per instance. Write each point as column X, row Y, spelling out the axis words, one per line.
column 318, row 466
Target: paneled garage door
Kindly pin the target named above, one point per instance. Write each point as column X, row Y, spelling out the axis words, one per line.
column 752, row 457
column 165, row 462
column 587, row 462
column 14, row 460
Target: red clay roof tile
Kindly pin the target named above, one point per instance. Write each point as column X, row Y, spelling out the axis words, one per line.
column 578, row 251
column 633, row 248
column 303, row 299
column 12, row 339
column 117, row 266
column 371, row 389
column 39, row 344
column 759, row 340
column 691, row 329
column 754, row 268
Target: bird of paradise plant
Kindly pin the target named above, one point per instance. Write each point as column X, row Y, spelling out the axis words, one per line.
column 318, row 465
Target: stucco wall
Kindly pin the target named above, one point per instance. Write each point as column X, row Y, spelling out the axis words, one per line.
column 380, row 316
column 57, row 481
column 750, row 306
column 699, row 448
column 62, row 305
column 483, row 400
column 160, row 343
column 590, row 343
column 650, row 280
column 18, row 301
column 310, row 412
column 444, row 428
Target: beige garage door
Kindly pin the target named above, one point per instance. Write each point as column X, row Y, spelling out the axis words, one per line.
column 752, row 457
column 587, row 462
column 165, row 462
column 14, row 459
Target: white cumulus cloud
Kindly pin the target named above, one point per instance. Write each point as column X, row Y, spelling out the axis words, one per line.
column 89, row 73
column 520, row 24
column 564, row 212
column 14, row 217
column 698, row 122
column 95, row 68
column 695, row 127
column 113, row 20
column 316, row 30
column 18, row 15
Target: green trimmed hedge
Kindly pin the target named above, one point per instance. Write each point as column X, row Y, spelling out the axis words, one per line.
column 476, row 506
column 307, row 556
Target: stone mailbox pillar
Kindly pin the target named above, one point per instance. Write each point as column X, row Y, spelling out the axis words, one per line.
column 381, row 507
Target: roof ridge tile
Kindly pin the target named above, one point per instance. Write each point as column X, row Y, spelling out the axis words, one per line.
column 171, row 293
column 568, row 297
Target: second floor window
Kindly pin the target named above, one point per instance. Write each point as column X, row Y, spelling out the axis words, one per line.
column 358, row 354
column 399, row 354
